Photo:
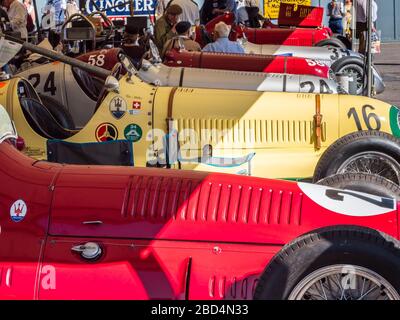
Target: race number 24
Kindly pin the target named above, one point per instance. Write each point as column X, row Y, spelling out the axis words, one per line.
column 49, row 84
column 370, row 119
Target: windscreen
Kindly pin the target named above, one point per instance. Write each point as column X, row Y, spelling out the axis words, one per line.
column 7, row 129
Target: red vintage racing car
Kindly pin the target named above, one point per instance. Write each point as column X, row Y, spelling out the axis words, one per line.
column 279, row 36
column 248, row 62
column 108, row 58
column 102, row 232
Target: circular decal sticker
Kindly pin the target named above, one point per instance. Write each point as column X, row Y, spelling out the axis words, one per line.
column 395, row 121
column 106, row 132
column 133, row 132
column 18, row 210
column 118, row 107
column 348, row 202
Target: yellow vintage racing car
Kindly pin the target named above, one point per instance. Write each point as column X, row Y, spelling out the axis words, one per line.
column 265, row 134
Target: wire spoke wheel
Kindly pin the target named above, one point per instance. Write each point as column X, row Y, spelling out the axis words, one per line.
column 344, row 282
column 356, row 72
column 373, row 163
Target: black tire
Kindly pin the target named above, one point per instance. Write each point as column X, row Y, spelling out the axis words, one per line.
column 363, row 182
column 352, row 66
column 339, row 245
column 344, row 40
column 375, row 145
column 332, row 42
column 59, row 112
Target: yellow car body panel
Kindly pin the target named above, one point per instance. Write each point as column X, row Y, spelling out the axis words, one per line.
column 279, row 128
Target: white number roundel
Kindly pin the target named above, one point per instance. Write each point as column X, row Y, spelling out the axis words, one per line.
column 348, row 202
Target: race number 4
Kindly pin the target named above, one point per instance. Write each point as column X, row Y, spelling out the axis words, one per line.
column 348, row 202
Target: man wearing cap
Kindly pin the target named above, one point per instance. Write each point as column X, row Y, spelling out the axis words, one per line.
column 164, row 28
column 190, row 11
column 221, row 42
column 183, row 40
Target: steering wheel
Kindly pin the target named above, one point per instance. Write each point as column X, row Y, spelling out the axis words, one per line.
column 115, row 72
column 108, row 24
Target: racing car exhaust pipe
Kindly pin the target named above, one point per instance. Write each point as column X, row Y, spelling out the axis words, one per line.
column 60, row 57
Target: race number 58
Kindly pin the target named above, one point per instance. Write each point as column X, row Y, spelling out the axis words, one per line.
column 370, row 119
column 96, row 60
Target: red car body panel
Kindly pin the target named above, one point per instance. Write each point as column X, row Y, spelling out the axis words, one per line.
column 248, row 62
column 279, row 36
column 269, row 25
column 164, row 234
column 104, row 58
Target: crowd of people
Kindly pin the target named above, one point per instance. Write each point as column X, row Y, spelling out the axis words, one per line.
column 341, row 19
column 173, row 28
column 176, row 19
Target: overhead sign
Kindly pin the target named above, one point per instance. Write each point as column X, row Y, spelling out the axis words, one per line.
column 271, row 7
column 121, row 8
column 300, row 16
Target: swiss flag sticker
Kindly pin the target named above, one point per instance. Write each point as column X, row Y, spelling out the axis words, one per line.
column 136, row 105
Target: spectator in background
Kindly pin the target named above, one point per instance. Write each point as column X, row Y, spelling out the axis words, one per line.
column 183, row 39
column 212, row 9
column 31, row 11
column 249, row 14
column 361, row 23
column 348, row 19
column 17, row 15
column 71, row 8
column 336, row 14
column 56, row 8
column 164, row 28
column 190, row 11
column 231, row 6
column 221, row 42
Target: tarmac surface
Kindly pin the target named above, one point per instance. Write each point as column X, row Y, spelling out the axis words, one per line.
column 388, row 64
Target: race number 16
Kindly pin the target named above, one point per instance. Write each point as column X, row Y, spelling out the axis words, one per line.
column 370, row 119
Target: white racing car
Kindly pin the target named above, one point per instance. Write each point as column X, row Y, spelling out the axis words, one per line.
column 341, row 61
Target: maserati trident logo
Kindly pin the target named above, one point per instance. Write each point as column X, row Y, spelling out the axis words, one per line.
column 118, row 107
column 18, row 210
